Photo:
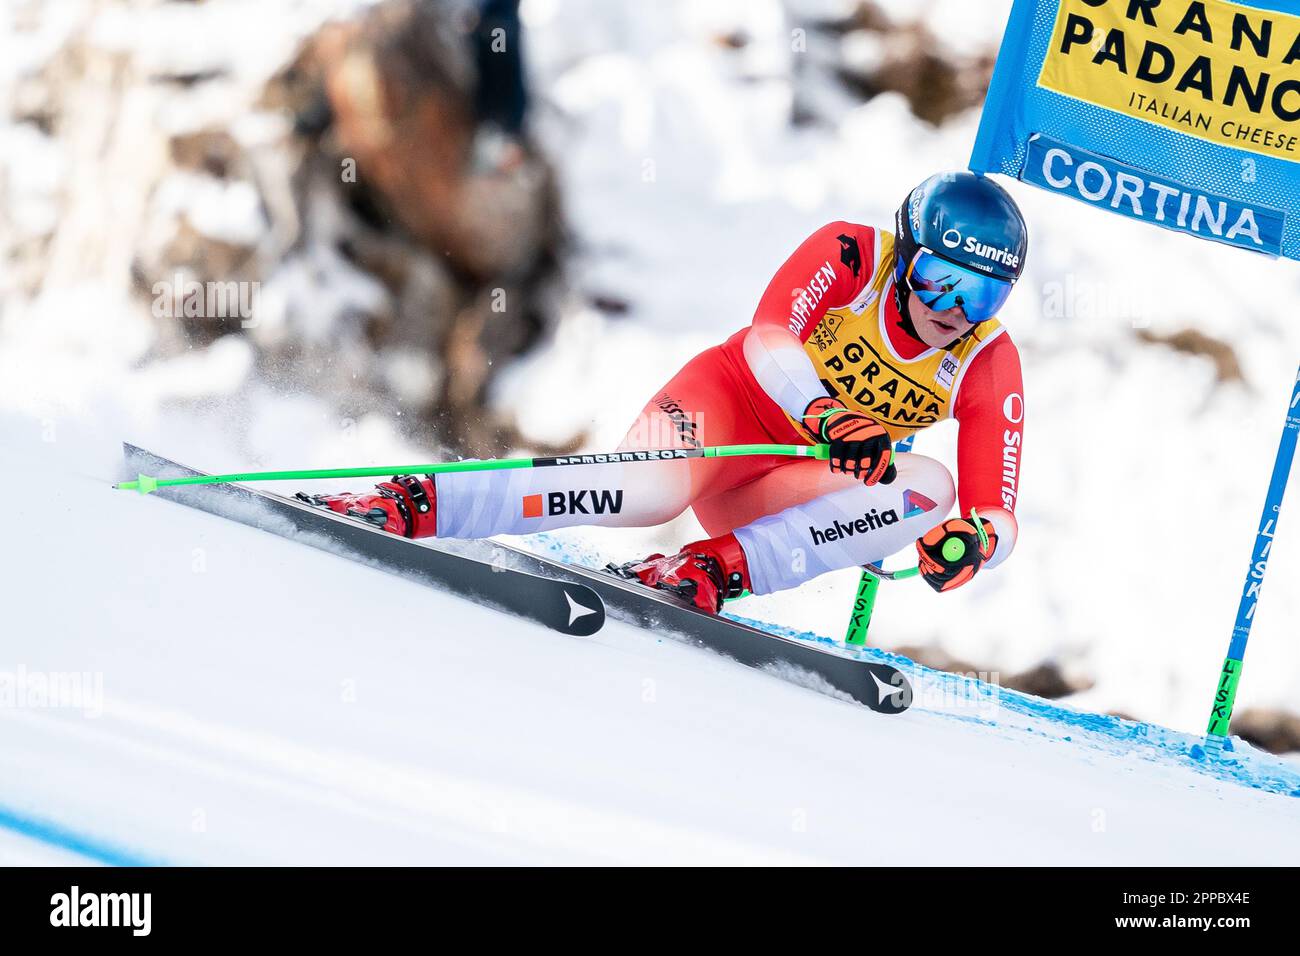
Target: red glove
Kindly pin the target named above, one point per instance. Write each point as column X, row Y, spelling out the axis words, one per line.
column 859, row 445
column 951, row 553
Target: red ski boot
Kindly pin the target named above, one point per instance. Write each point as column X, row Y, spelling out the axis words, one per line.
column 704, row 572
column 406, row 506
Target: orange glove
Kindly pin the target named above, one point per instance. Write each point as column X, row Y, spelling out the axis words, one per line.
column 951, row 553
column 859, row 445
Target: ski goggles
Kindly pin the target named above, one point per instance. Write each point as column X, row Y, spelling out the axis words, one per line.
column 941, row 284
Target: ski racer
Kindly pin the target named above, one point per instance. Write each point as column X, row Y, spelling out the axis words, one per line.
column 862, row 337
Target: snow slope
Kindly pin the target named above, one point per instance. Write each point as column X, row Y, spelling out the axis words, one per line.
column 264, row 702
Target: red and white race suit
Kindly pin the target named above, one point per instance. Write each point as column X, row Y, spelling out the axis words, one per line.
column 828, row 324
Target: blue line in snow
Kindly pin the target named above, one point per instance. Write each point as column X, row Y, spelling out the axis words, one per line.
column 65, row 839
column 1247, row 766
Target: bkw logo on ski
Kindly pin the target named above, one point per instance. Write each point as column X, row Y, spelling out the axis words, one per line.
column 585, row 502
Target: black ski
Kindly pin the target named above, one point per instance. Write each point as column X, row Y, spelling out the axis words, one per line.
column 879, row 686
column 567, row 606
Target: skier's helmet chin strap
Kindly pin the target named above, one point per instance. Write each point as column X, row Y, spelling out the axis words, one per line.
column 904, row 249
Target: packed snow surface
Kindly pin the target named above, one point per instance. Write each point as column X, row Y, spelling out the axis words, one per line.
column 246, row 699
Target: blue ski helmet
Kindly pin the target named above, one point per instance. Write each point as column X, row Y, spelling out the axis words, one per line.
column 960, row 240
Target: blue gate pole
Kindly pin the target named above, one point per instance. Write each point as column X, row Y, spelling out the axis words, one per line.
column 1226, row 693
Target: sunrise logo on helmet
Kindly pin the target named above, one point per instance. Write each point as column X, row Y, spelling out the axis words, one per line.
column 1004, row 257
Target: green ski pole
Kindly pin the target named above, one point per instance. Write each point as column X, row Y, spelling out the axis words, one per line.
column 864, row 602
column 146, row 483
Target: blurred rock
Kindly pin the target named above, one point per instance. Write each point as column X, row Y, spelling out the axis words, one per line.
column 878, row 55
column 1276, row 731
column 467, row 252
column 335, row 187
column 1191, row 341
column 1047, row 680
column 211, row 151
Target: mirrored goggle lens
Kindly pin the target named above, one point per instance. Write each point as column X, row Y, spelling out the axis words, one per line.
column 941, row 284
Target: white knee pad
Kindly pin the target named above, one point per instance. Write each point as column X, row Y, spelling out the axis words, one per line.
column 851, row 527
column 930, row 477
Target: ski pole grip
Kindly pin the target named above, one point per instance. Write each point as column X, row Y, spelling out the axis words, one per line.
column 979, row 529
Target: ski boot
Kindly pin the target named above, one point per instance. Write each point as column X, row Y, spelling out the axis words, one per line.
column 405, row 506
column 704, row 572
